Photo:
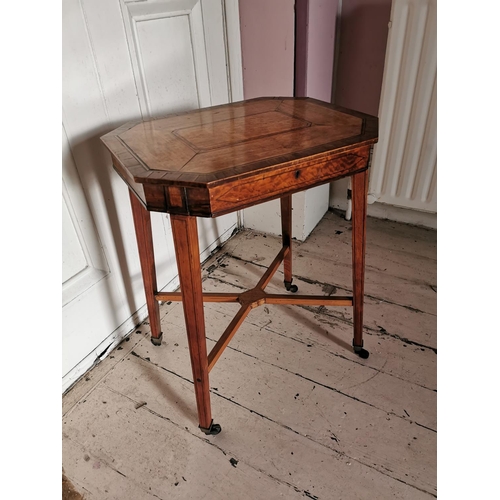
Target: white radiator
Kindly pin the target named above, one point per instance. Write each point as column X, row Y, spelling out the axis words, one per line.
column 403, row 170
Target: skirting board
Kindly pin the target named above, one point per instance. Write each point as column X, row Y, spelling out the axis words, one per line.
column 379, row 210
column 397, row 214
column 406, row 215
column 128, row 326
column 103, row 349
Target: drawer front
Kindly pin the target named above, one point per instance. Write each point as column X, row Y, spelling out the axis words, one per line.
column 250, row 190
column 258, row 189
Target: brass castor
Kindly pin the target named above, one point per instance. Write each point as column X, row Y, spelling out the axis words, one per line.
column 213, row 430
column 290, row 287
column 157, row 341
column 362, row 353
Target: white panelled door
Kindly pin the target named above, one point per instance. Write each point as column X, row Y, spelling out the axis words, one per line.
column 123, row 60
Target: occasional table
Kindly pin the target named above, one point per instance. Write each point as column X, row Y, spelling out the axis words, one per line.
column 213, row 161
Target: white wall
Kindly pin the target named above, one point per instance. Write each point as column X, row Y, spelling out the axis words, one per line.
column 119, row 65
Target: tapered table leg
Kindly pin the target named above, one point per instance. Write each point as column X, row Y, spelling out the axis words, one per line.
column 286, row 232
column 144, row 235
column 187, row 254
column 359, row 206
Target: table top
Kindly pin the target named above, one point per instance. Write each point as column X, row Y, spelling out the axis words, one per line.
column 203, row 154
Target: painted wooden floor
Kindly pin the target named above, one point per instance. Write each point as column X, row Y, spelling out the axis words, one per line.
column 301, row 415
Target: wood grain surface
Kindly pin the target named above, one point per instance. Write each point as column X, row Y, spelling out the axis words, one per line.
column 144, row 236
column 187, row 254
column 216, row 160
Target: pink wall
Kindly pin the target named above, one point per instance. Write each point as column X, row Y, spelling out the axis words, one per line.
column 268, row 33
column 363, row 40
column 320, row 48
column 267, row 45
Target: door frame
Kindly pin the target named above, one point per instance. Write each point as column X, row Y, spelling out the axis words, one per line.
column 232, row 32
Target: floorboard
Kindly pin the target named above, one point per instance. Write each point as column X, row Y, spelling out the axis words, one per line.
column 302, row 416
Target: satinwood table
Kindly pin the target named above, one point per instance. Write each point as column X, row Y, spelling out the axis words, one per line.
column 213, row 161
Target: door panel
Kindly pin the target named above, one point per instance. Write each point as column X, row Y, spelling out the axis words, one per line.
column 84, row 263
column 74, row 260
column 169, row 75
column 86, row 277
column 177, row 78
